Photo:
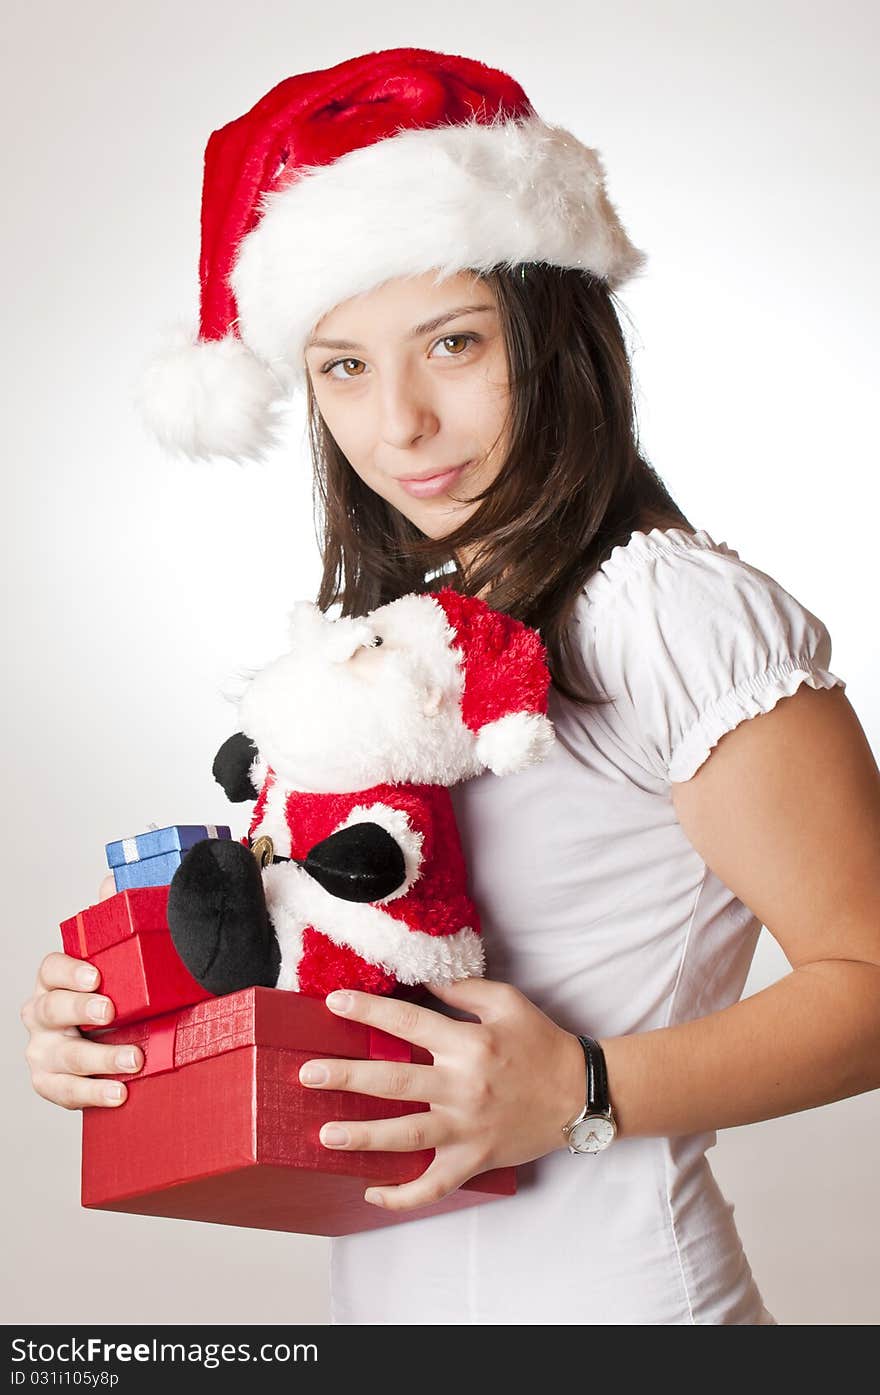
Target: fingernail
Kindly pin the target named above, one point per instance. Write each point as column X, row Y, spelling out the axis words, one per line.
column 114, row 1091
column 334, row 1135
column 99, row 1009
column 339, row 1002
column 313, row 1075
column 86, row 976
column 127, row 1059
column 374, row 1198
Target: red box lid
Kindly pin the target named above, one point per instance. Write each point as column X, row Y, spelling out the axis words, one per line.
column 133, row 912
column 253, row 1017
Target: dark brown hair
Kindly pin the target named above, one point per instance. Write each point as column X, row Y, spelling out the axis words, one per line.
column 573, row 484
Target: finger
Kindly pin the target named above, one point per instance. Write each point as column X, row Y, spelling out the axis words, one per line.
column 76, row 1092
column 60, row 1008
column 444, row 1176
column 409, row 1133
column 77, row 1055
column 386, row 1080
column 64, row 971
column 419, row 1025
column 488, row 999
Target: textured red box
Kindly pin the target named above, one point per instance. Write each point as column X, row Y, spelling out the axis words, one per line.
column 127, row 938
column 133, row 912
column 217, row 1126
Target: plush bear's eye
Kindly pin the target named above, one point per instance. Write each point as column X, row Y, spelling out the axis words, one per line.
column 376, row 641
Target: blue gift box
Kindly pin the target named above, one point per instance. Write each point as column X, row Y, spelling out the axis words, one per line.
column 151, row 859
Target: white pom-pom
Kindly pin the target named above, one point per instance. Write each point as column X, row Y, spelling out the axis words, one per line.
column 208, row 398
column 515, row 742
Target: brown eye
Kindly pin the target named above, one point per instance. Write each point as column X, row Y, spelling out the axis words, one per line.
column 342, row 363
column 465, row 340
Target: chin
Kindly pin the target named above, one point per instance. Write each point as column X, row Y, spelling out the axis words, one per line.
column 435, row 534
column 442, row 522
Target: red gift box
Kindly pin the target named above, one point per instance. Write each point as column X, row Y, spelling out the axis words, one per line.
column 217, row 1126
column 127, row 938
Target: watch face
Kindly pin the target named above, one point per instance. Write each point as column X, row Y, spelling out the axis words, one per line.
column 592, row 1134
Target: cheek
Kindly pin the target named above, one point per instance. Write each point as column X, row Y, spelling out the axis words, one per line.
column 341, row 422
column 351, row 428
column 485, row 401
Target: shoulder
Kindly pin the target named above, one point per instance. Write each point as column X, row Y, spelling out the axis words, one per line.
column 688, row 639
column 672, row 564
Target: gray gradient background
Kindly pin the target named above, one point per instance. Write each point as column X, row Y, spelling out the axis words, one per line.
column 741, row 151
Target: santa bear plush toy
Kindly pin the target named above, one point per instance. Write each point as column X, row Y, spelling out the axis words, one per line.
column 352, row 875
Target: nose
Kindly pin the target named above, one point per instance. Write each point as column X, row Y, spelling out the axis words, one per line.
column 344, row 636
column 407, row 410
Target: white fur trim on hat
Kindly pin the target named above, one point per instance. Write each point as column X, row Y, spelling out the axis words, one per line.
column 469, row 196
column 515, row 742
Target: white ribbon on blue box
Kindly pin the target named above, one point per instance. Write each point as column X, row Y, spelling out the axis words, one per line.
column 151, row 859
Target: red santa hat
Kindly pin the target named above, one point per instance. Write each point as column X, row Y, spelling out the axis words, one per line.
column 504, row 700
column 392, row 164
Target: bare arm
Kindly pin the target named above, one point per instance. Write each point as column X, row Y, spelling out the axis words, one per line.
column 786, row 811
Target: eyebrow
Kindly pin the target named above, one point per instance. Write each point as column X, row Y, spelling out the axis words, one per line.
column 415, row 333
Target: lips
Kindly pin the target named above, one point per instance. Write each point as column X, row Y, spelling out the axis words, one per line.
column 428, row 486
column 421, row 479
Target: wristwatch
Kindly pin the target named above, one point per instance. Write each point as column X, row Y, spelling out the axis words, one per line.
column 595, row 1126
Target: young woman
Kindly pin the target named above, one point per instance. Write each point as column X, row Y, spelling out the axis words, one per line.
column 441, row 274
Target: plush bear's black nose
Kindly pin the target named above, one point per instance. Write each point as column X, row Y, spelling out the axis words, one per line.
column 218, row 918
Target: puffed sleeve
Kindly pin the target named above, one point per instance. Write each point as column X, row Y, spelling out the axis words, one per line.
column 690, row 641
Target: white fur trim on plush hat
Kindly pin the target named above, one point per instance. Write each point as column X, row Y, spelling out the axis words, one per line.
column 514, row 742
column 206, row 398
column 474, row 195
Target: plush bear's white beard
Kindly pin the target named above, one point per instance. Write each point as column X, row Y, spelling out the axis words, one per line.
column 353, row 731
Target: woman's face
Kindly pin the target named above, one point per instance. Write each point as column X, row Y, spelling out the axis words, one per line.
column 415, row 384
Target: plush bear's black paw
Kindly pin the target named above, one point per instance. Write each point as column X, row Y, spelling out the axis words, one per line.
column 232, row 765
column 218, row 918
column 359, row 863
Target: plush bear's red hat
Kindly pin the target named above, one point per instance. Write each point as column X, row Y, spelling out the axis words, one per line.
column 506, row 679
column 391, row 164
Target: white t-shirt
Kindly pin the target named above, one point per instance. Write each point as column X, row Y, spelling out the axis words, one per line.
column 595, row 904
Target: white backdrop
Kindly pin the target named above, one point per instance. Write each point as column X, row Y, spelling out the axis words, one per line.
column 741, row 153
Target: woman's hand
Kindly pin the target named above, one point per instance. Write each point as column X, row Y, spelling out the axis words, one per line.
column 60, row 1058
column 499, row 1089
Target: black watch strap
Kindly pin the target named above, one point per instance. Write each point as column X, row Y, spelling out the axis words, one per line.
column 598, row 1101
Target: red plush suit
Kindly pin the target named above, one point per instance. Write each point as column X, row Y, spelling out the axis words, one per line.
column 428, row 923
